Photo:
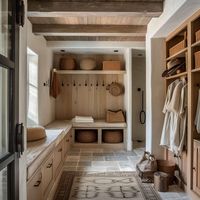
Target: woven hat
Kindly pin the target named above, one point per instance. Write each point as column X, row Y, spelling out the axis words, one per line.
column 174, row 62
column 116, row 89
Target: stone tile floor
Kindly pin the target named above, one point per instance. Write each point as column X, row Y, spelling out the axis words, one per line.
column 103, row 160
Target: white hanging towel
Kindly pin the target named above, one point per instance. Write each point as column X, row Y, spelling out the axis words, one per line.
column 197, row 118
column 174, row 108
column 165, row 137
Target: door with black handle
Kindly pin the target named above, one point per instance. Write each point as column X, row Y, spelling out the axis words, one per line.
column 11, row 132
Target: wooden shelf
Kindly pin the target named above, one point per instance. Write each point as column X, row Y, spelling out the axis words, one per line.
column 196, row 70
column 99, row 124
column 177, row 76
column 178, row 55
column 89, row 72
column 196, row 44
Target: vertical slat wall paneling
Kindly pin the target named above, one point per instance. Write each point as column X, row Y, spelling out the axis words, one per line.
column 94, row 99
column 87, row 94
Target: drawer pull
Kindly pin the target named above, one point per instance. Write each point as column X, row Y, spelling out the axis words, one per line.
column 60, row 150
column 49, row 165
column 37, row 183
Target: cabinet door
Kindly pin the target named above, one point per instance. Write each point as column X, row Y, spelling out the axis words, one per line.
column 67, row 144
column 47, row 174
column 34, row 190
column 196, row 168
column 58, row 158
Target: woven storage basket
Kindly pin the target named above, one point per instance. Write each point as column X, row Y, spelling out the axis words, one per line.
column 87, row 64
column 197, row 59
column 167, row 167
column 197, row 35
column 112, row 136
column 67, row 63
column 178, row 47
column 115, row 116
column 161, row 181
column 86, row 136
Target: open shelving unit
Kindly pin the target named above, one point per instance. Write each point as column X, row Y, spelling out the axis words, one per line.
column 177, row 46
column 86, row 93
column 189, row 162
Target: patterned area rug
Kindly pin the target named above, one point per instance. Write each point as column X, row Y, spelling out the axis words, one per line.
column 103, row 186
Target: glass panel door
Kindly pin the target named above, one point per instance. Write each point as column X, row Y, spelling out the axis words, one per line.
column 5, row 28
column 4, row 113
column 9, row 38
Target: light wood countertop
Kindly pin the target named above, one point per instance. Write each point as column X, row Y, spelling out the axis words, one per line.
column 38, row 150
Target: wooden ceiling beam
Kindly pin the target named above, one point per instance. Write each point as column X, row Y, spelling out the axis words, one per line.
column 57, row 8
column 89, row 30
column 100, row 38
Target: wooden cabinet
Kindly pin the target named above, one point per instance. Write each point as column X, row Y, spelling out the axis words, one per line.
column 47, row 174
column 67, row 141
column 48, row 166
column 34, row 188
column 58, row 158
column 196, row 167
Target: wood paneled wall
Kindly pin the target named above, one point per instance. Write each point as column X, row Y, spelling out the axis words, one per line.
column 87, row 95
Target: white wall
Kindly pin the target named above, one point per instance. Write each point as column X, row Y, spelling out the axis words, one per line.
column 138, row 81
column 46, row 104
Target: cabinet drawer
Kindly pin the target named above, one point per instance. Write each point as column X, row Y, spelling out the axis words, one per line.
column 34, row 190
column 58, row 152
column 47, row 173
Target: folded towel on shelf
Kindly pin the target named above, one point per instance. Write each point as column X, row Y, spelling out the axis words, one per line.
column 83, row 119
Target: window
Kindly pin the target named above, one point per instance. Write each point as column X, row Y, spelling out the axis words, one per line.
column 32, row 88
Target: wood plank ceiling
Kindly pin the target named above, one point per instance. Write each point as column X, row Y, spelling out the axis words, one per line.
column 92, row 20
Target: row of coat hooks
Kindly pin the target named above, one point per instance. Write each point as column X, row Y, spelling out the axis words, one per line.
column 86, row 84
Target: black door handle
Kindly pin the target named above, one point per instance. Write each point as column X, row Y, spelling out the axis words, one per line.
column 20, row 139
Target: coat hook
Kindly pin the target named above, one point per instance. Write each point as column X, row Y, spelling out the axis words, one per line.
column 97, row 84
column 74, row 84
column 46, row 83
column 85, row 83
column 63, row 84
column 103, row 83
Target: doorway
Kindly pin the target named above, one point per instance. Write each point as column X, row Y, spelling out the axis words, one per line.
column 138, row 97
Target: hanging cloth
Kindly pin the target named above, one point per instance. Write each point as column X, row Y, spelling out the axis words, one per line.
column 165, row 137
column 197, row 118
column 55, row 85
